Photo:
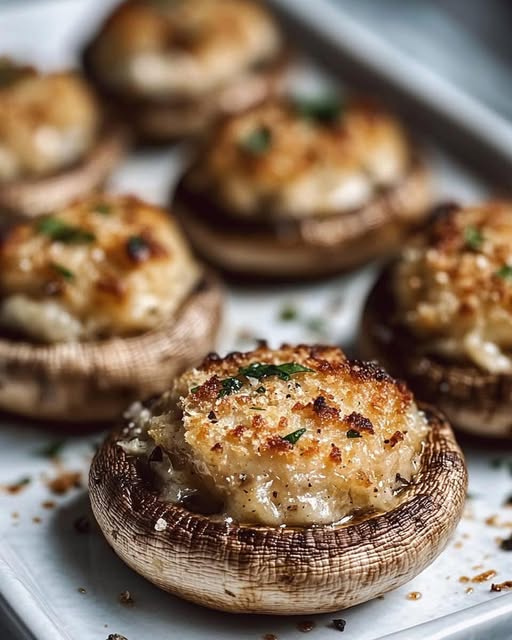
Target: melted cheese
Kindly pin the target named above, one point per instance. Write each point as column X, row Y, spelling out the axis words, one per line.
column 454, row 286
column 123, row 270
column 188, row 48
column 306, row 168
column 47, row 122
column 354, row 430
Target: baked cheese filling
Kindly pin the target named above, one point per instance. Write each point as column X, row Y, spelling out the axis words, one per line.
column 301, row 158
column 47, row 121
column 165, row 48
column 102, row 267
column 453, row 286
column 296, row 436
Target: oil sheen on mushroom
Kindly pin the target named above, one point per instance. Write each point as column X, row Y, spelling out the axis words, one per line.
column 297, row 436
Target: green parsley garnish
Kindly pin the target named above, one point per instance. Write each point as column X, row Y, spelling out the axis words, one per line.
column 505, row 272
column 103, row 209
column 258, row 141
column 63, row 271
column 195, row 389
column 52, row 449
column 352, row 433
column 321, row 109
column 294, row 437
column 60, row 231
column 229, row 386
column 288, row 313
column 259, row 370
column 473, row 238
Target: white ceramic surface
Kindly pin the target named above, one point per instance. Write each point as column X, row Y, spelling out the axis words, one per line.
column 44, row 565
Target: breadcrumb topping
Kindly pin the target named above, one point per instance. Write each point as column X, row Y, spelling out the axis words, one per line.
column 305, row 436
column 103, row 266
column 161, row 48
column 300, row 158
column 47, row 121
column 454, row 285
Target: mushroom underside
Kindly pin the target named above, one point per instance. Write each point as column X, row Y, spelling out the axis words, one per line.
column 165, row 120
column 96, row 381
column 36, row 196
column 308, row 248
column 474, row 400
column 284, row 571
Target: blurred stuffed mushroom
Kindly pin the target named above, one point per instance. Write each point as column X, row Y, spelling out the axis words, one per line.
column 99, row 302
column 302, row 188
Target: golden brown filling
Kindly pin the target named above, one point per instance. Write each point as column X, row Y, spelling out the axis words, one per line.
column 47, row 122
column 161, row 48
column 295, row 436
column 105, row 266
column 454, row 286
column 304, row 157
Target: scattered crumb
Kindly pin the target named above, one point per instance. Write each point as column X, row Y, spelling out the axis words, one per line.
column 269, row 636
column 339, row 624
column 464, row 579
column 116, row 636
column 17, row 487
column 36, row 520
column 458, row 545
column 414, row 595
column 469, row 590
column 306, row 626
column 81, row 590
column 65, row 481
column 15, row 515
column 125, row 598
column 506, row 545
column 483, row 577
column 504, row 586
column 48, row 504
column 476, row 567
column 380, row 597
column 160, row 525
column 82, row 525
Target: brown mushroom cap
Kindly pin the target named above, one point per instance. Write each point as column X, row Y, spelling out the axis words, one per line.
column 94, row 381
column 302, row 248
column 474, row 400
column 36, row 196
column 160, row 121
column 283, row 571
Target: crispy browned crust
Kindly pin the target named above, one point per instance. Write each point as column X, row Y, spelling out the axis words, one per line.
column 279, row 570
column 36, row 196
column 161, row 121
column 309, row 248
column 473, row 400
column 95, row 381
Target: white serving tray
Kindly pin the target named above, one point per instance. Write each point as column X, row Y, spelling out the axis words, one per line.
column 43, row 565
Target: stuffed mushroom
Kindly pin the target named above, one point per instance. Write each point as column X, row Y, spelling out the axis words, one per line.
column 280, row 481
column 299, row 188
column 441, row 316
column 55, row 144
column 99, row 302
column 171, row 66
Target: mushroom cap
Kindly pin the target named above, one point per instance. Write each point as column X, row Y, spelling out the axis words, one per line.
column 250, row 569
column 35, row 196
column 474, row 400
column 94, row 381
column 309, row 247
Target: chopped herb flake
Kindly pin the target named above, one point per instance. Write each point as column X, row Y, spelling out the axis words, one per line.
column 505, row 272
column 473, row 238
column 60, row 231
column 63, row 271
column 294, row 437
column 103, row 209
column 352, row 433
column 259, row 370
column 288, row 314
column 339, row 624
column 257, row 409
column 323, row 109
column 258, row 141
column 229, row 386
column 195, row 389
column 261, row 390
column 138, row 249
column 52, row 449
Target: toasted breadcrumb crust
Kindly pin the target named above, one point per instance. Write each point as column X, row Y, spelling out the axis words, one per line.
column 453, row 284
column 302, row 167
column 330, row 441
column 47, row 121
column 183, row 48
column 104, row 266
